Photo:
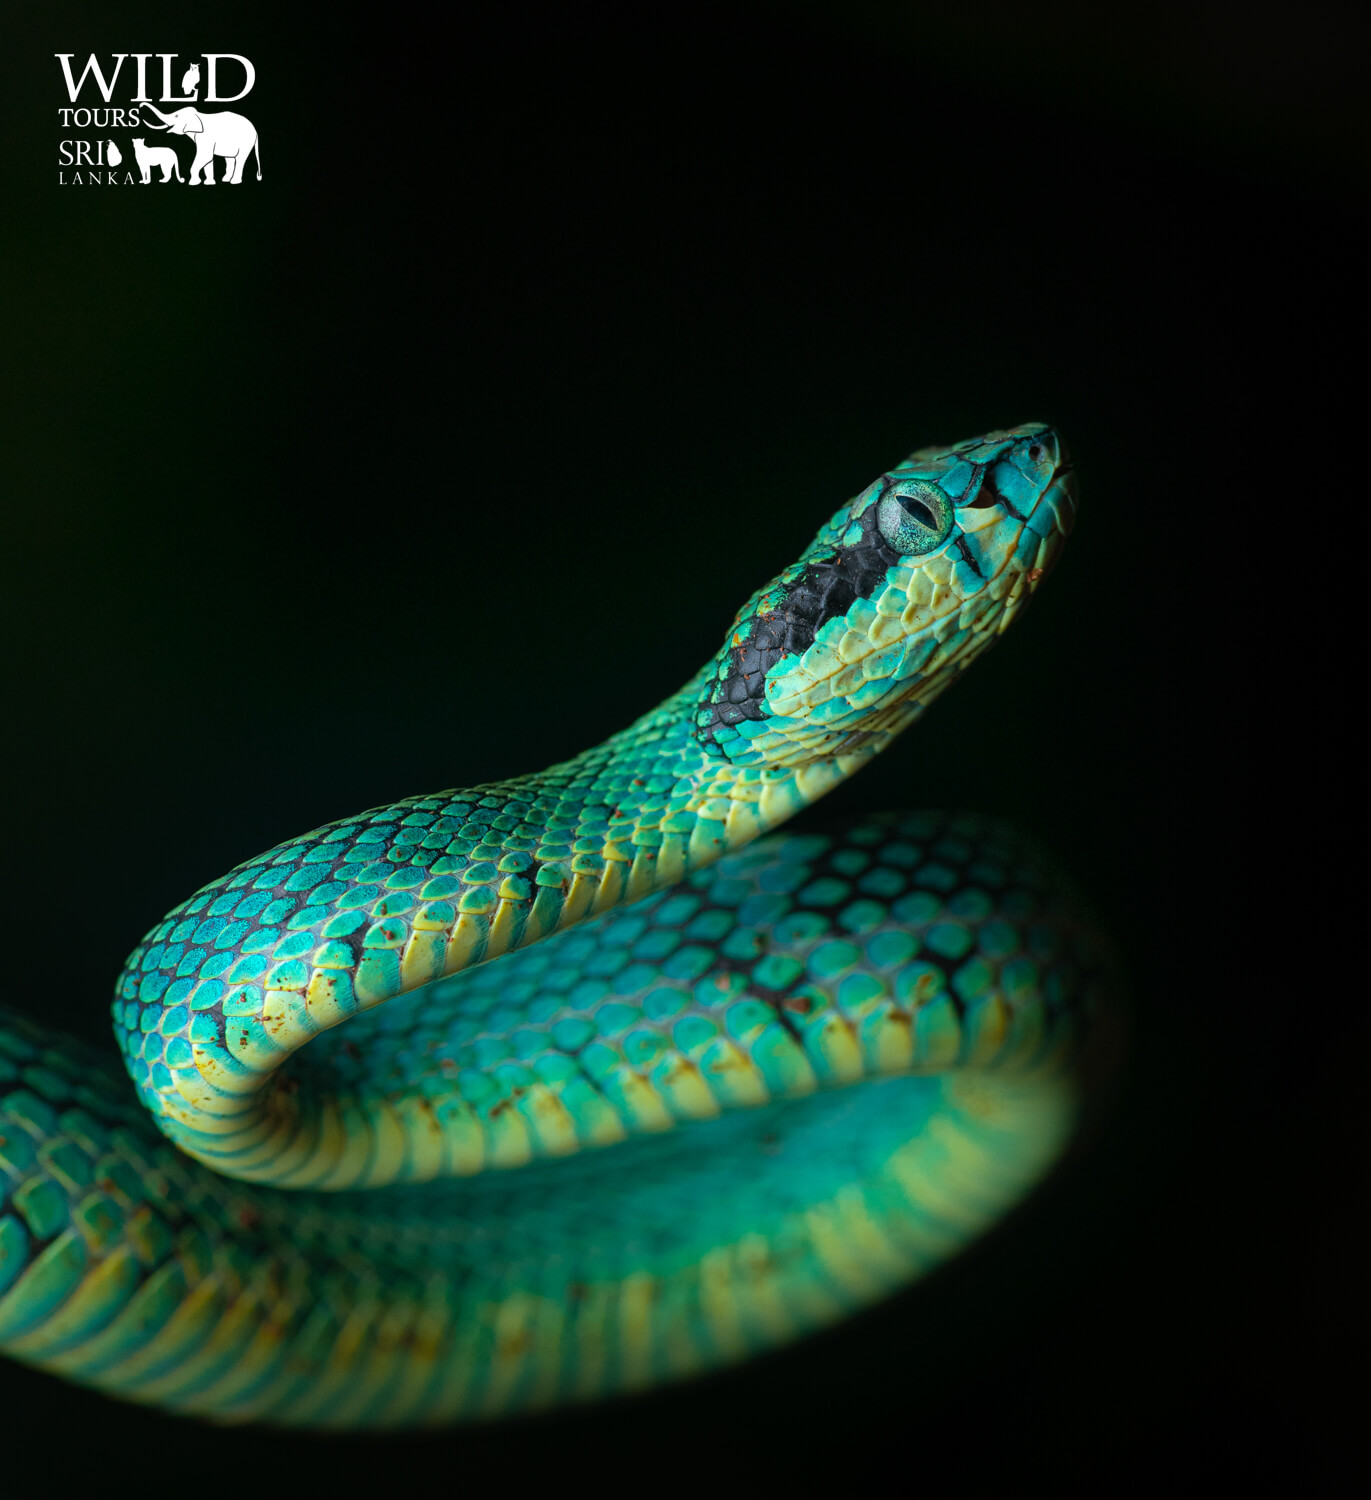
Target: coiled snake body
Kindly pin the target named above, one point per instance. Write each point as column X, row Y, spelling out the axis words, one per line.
column 746, row 1086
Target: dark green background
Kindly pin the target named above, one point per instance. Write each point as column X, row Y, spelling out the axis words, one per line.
column 454, row 443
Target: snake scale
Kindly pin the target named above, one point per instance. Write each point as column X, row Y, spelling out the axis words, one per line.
column 714, row 1093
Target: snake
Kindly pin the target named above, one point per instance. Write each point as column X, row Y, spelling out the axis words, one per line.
column 632, row 1086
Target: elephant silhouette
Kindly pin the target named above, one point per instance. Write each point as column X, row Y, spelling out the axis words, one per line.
column 234, row 137
column 190, row 81
column 149, row 157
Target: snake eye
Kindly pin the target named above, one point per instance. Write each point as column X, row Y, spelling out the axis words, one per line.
column 914, row 516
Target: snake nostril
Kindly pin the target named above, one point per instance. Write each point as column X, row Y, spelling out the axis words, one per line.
column 1036, row 451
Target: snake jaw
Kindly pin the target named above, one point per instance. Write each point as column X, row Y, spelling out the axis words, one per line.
column 866, row 629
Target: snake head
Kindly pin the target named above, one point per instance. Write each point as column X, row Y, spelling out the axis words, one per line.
column 898, row 593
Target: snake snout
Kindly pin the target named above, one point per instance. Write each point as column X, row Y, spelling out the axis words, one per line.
column 1046, row 447
column 1054, row 511
column 1049, row 453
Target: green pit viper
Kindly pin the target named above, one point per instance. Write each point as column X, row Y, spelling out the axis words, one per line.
column 628, row 1091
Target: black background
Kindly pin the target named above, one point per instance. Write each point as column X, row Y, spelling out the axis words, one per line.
column 454, row 443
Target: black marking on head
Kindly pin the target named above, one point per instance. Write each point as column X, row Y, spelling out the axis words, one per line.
column 967, row 557
column 828, row 587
